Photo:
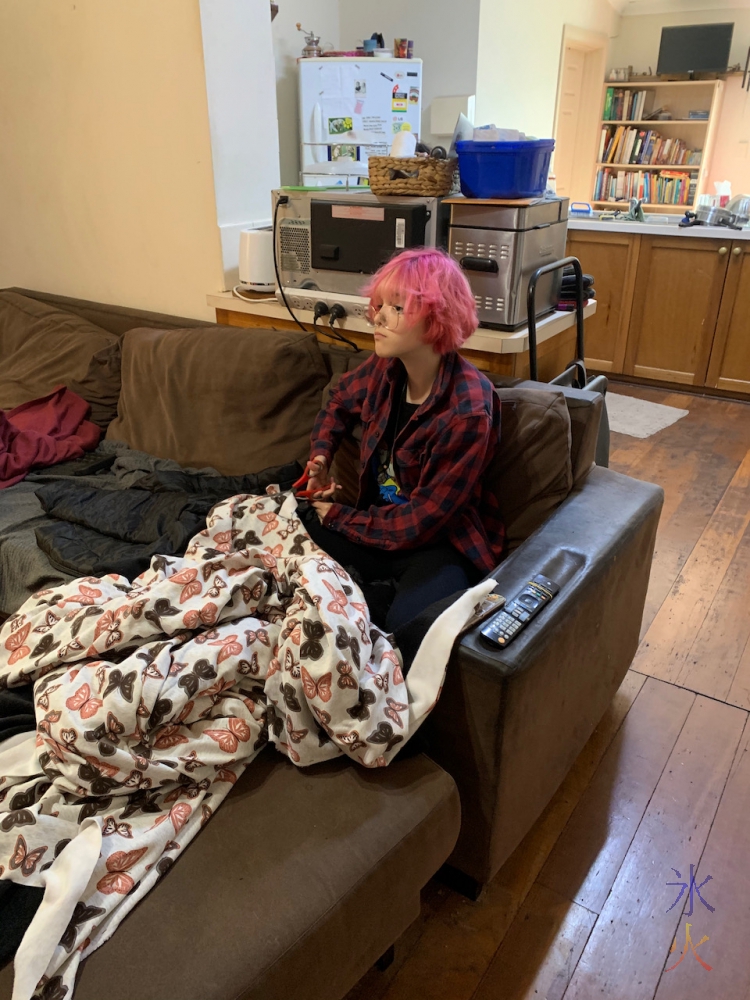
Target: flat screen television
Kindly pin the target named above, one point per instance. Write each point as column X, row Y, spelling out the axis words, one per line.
column 695, row 48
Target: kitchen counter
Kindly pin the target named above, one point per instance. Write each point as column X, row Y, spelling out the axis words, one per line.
column 673, row 303
column 657, row 228
column 504, row 352
column 485, row 339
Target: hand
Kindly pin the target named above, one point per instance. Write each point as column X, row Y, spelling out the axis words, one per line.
column 321, row 509
column 320, row 482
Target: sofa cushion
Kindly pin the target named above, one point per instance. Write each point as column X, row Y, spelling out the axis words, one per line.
column 532, row 472
column 237, row 400
column 299, row 883
column 100, row 386
column 42, row 347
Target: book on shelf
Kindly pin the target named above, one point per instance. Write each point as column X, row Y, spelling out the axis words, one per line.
column 624, row 104
column 644, row 147
column 667, row 187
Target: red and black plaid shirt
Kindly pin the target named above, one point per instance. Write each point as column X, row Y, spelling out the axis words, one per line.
column 439, row 457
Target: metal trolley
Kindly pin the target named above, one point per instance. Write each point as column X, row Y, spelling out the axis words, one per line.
column 575, row 374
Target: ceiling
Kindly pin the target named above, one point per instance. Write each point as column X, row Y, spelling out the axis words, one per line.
column 631, row 8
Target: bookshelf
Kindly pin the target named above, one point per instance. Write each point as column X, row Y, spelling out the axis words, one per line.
column 639, row 156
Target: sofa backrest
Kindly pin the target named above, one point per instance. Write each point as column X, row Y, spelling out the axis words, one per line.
column 262, row 390
column 114, row 319
column 43, row 347
column 585, row 410
column 233, row 399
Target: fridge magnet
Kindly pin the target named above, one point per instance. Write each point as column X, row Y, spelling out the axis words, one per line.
column 337, row 126
column 400, row 126
column 413, row 95
column 359, row 106
column 360, row 87
column 343, row 152
column 400, row 101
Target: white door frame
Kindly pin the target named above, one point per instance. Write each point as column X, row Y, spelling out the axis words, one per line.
column 595, row 44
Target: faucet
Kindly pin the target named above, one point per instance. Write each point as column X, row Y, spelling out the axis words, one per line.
column 635, row 213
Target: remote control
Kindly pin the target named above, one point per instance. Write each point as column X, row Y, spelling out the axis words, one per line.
column 506, row 625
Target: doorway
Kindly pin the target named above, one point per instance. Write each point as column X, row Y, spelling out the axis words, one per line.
column 578, row 111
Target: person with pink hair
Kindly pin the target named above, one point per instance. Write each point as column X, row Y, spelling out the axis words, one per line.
column 424, row 519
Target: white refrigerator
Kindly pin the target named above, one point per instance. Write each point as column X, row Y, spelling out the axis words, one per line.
column 351, row 108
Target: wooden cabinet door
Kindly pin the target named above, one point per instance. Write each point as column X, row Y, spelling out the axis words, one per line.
column 612, row 259
column 678, row 290
column 729, row 367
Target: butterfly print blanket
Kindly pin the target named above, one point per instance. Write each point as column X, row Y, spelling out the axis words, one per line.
column 152, row 697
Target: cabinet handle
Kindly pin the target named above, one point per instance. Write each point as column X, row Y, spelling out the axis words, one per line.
column 737, row 251
column 722, row 251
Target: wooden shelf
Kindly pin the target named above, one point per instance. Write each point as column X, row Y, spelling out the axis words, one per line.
column 679, row 97
column 648, row 84
column 657, row 204
column 651, row 166
column 655, row 121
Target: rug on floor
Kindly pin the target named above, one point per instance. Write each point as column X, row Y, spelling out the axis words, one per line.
column 638, row 417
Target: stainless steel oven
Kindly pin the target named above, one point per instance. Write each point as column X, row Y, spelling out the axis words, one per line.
column 499, row 245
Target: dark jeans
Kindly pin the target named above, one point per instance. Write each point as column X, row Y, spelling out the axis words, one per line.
column 417, row 577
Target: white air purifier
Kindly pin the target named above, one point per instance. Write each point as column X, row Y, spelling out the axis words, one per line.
column 256, row 260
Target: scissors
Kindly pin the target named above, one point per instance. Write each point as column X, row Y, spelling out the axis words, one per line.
column 300, row 487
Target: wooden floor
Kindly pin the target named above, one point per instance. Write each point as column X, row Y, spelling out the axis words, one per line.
column 582, row 909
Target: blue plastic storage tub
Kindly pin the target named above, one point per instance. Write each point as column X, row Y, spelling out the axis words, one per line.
column 504, row 169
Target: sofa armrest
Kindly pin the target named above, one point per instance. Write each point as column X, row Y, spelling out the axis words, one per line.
column 576, row 548
column 510, row 723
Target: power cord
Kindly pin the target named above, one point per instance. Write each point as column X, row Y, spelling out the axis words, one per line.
column 321, row 308
column 337, row 311
column 282, row 200
column 238, row 292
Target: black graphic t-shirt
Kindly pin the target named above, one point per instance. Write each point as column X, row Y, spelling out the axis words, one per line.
column 389, row 490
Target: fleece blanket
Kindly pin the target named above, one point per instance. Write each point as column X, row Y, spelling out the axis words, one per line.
column 42, row 432
column 152, row 697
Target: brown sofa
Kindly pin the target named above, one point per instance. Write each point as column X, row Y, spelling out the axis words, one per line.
column 335, row 856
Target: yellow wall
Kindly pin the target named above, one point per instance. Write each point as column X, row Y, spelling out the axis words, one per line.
column 106, row 184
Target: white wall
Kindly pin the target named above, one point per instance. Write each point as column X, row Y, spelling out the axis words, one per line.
column 519, row 57
column 637, row 42
column 239, row 63
column 322, row 17
column 445, row 35
column 637, row 45
column 106, row 182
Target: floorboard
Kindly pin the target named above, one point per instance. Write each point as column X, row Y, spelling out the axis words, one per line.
column 540, row 950
column 629, row 944
column 587, row 857
column 667, row 644
column 727, row 927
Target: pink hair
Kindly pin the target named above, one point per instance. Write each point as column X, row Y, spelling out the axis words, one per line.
column 432, row 288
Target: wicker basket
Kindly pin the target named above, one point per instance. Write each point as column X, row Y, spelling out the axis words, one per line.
column 427, row 177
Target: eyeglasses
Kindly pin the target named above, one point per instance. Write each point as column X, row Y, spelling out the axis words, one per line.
column 389, row 316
